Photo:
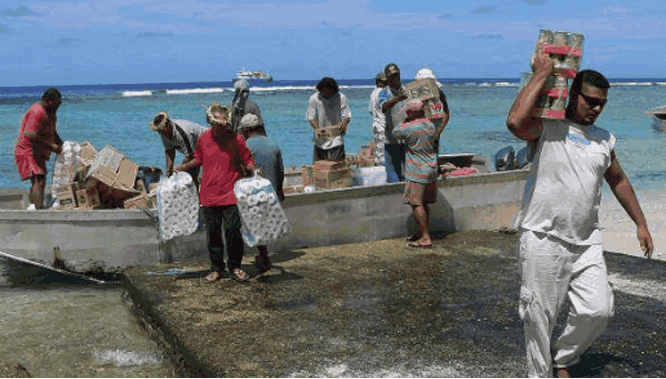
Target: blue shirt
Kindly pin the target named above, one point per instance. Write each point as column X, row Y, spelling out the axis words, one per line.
column 268, row 158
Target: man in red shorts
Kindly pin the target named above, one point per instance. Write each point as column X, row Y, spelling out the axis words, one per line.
column 37, row 139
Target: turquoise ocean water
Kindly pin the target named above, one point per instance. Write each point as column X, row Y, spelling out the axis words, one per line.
column 118, row 115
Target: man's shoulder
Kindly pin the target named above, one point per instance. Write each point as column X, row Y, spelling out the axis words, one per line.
column 187, row 124
column 263, row 141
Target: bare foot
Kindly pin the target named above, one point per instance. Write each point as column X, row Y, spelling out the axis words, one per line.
column 562, row 372
column 422, row 242
column 214, row 276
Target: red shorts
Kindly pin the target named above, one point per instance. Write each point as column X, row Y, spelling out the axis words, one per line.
column 420, row 193
column 29, row 163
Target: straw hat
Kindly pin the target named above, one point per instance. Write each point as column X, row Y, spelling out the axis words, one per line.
column 161, row 124
column 380, row 76
column 217, row 114
column 248, row 121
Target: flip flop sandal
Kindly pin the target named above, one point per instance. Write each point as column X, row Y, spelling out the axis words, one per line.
column 413, row 237
column 419, row 246
column 239, row 275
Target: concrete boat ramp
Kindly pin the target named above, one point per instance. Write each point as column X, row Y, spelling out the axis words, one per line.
column 381, row 309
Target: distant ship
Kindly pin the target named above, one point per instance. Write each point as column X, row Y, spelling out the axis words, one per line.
column 253, row 75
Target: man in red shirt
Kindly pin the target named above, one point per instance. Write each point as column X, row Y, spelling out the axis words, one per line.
column 37, row 139
column 225, row 159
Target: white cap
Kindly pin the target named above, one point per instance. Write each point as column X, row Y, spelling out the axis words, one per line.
column 241, row 85
column 426, row 73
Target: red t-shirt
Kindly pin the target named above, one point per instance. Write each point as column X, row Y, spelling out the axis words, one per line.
column 221, row 168
column 36, row 121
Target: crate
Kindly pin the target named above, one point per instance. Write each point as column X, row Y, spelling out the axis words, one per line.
column 87, row 154
column 328, row 165
column 88, row 198
column 330, row 179
column 329, row 132
column 307, row 175
column 145, row 201
column 66, row 196
column 423, row 89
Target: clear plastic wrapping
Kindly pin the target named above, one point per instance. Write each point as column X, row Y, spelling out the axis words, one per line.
column 263, row 218
column 177, row 206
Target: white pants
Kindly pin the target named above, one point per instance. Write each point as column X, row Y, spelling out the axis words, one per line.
column 551, row 269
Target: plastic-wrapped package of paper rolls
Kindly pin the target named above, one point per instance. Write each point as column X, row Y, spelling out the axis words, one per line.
column 66, row 164
column 177, row 206
column 261, row 214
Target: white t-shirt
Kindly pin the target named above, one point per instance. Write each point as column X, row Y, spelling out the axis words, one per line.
column 563, row 190
column 328, row 112
column 378, row 117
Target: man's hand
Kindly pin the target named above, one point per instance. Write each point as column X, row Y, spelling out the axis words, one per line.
column 645, row 239
column 56, row 148
column 541, row 60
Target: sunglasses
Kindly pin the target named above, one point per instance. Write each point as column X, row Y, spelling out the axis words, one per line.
column 594, row 102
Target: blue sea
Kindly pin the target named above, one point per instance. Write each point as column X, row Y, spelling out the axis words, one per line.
column 118, row 115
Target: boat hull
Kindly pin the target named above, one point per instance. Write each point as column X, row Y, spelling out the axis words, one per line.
column 111, row 240
column 659, row 124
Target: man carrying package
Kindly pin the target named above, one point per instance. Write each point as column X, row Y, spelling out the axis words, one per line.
column 268, row 160
column 225, row 158
column 37, row 139
column 417, row 133
column 181, row 135
column 560, row 244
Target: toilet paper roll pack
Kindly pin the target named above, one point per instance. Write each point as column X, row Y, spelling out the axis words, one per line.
column 263, row 218
column 178, row 206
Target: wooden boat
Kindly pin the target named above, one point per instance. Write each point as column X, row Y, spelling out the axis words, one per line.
column 110, row 240
column 658, row 118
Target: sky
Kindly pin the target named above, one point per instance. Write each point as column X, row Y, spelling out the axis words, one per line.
column 66, row 42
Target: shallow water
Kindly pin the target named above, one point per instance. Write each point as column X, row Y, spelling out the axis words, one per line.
column 61, row 326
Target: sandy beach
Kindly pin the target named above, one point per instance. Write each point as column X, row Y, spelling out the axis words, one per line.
column 619, row 231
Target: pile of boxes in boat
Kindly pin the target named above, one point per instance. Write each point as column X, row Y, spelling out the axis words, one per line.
column 356, row 170
column 86, row 179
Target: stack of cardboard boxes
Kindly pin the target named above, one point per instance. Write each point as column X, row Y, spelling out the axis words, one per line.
column 101, row 180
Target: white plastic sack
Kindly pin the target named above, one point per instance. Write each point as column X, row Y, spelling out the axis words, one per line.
column 261, row 214
column 177, row 206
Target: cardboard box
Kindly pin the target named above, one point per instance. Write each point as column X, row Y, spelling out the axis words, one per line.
column 88, row 153
column 423, row 89
column 66, row 196
column 329, row 132
column 307, row 174
column 328, row 165
column 111, row 168
column 144, row 201
column 293, row 189
column 88, row 198
column 341, row 178
column 127, row 173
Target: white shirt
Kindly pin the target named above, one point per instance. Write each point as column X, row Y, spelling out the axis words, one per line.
column 327, row 112
column 378, row 117
column 563, row 190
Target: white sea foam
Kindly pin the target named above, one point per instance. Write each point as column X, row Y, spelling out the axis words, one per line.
column 136, row 93
column 194, row 90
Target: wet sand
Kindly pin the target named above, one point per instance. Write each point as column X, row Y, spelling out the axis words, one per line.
column 381, row 309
